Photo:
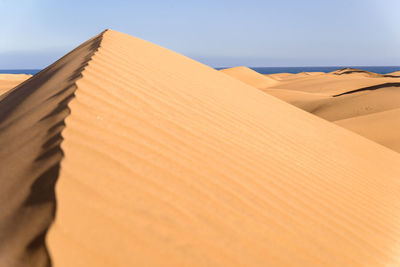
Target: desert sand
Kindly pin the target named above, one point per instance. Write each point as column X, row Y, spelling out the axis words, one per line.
column 396, row 73
column 250, row 77
column 381, row 127
column 31, row 120
column 8, row 81
column 158, row 160
column 346, row 96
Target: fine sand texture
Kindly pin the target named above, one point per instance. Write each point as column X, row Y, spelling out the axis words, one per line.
column 8, row 81
column 344, row 95
column 250, row 77
column 135, row 155
column 168, row 162
column 381, row 127
column 31, row 120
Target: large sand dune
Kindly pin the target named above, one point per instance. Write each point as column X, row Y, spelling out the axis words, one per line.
column 31, row 120
column 163, row 161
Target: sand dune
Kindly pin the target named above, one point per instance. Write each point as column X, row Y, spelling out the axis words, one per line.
column 353, row 71
column 382, row 127
column 396, row 73
column 357, row 104
column 347, row 105
column 338, row 95
column 163, row 161
column 279, row 76
column 331, row 84
column 168, row 162
column 347, row 96
column 31, row 120
column 307, row 101
column 333, row 96
column 292, row 76
column 315, row 73
column 250, row 77
column 8, row 81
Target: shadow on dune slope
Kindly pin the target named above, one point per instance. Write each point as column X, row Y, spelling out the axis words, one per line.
column 31, row 121
column 370, row 88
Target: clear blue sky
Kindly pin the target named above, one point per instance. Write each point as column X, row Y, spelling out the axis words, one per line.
column 34, row 33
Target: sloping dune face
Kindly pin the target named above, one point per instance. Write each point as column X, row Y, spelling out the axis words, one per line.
column 31, row 120
column 349, row 95
column 168, row 162
column 359, row 72
column 396, row 73
column 381, row 127
column 250, row 77
column 8, row 81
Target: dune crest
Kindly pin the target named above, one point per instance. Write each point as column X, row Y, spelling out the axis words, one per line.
column 394, row 74
column 160, row 160
column 168, row 162
column 31, row 120
column 250, row 77
column 353, row 71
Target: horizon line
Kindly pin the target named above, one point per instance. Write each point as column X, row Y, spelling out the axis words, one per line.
column 306, row 66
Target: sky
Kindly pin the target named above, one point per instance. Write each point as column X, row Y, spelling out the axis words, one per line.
column 219, row 33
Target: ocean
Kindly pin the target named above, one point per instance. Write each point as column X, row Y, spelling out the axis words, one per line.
column 268, row 70
column 21, row 71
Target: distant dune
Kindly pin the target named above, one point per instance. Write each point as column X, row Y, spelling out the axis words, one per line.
column 8, row 81
column 250, row 77
column 381, row 127
column 345, row 94
column 159, row 160
column 279, row 76
column 353, row 71
column 396, row 73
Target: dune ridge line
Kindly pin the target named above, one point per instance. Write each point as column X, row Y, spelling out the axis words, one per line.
column 31, row 123
column 169, row 162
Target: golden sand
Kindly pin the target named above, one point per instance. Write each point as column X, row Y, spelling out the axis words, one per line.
column 9, row 81
column 159, row 160
column 358, row 100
